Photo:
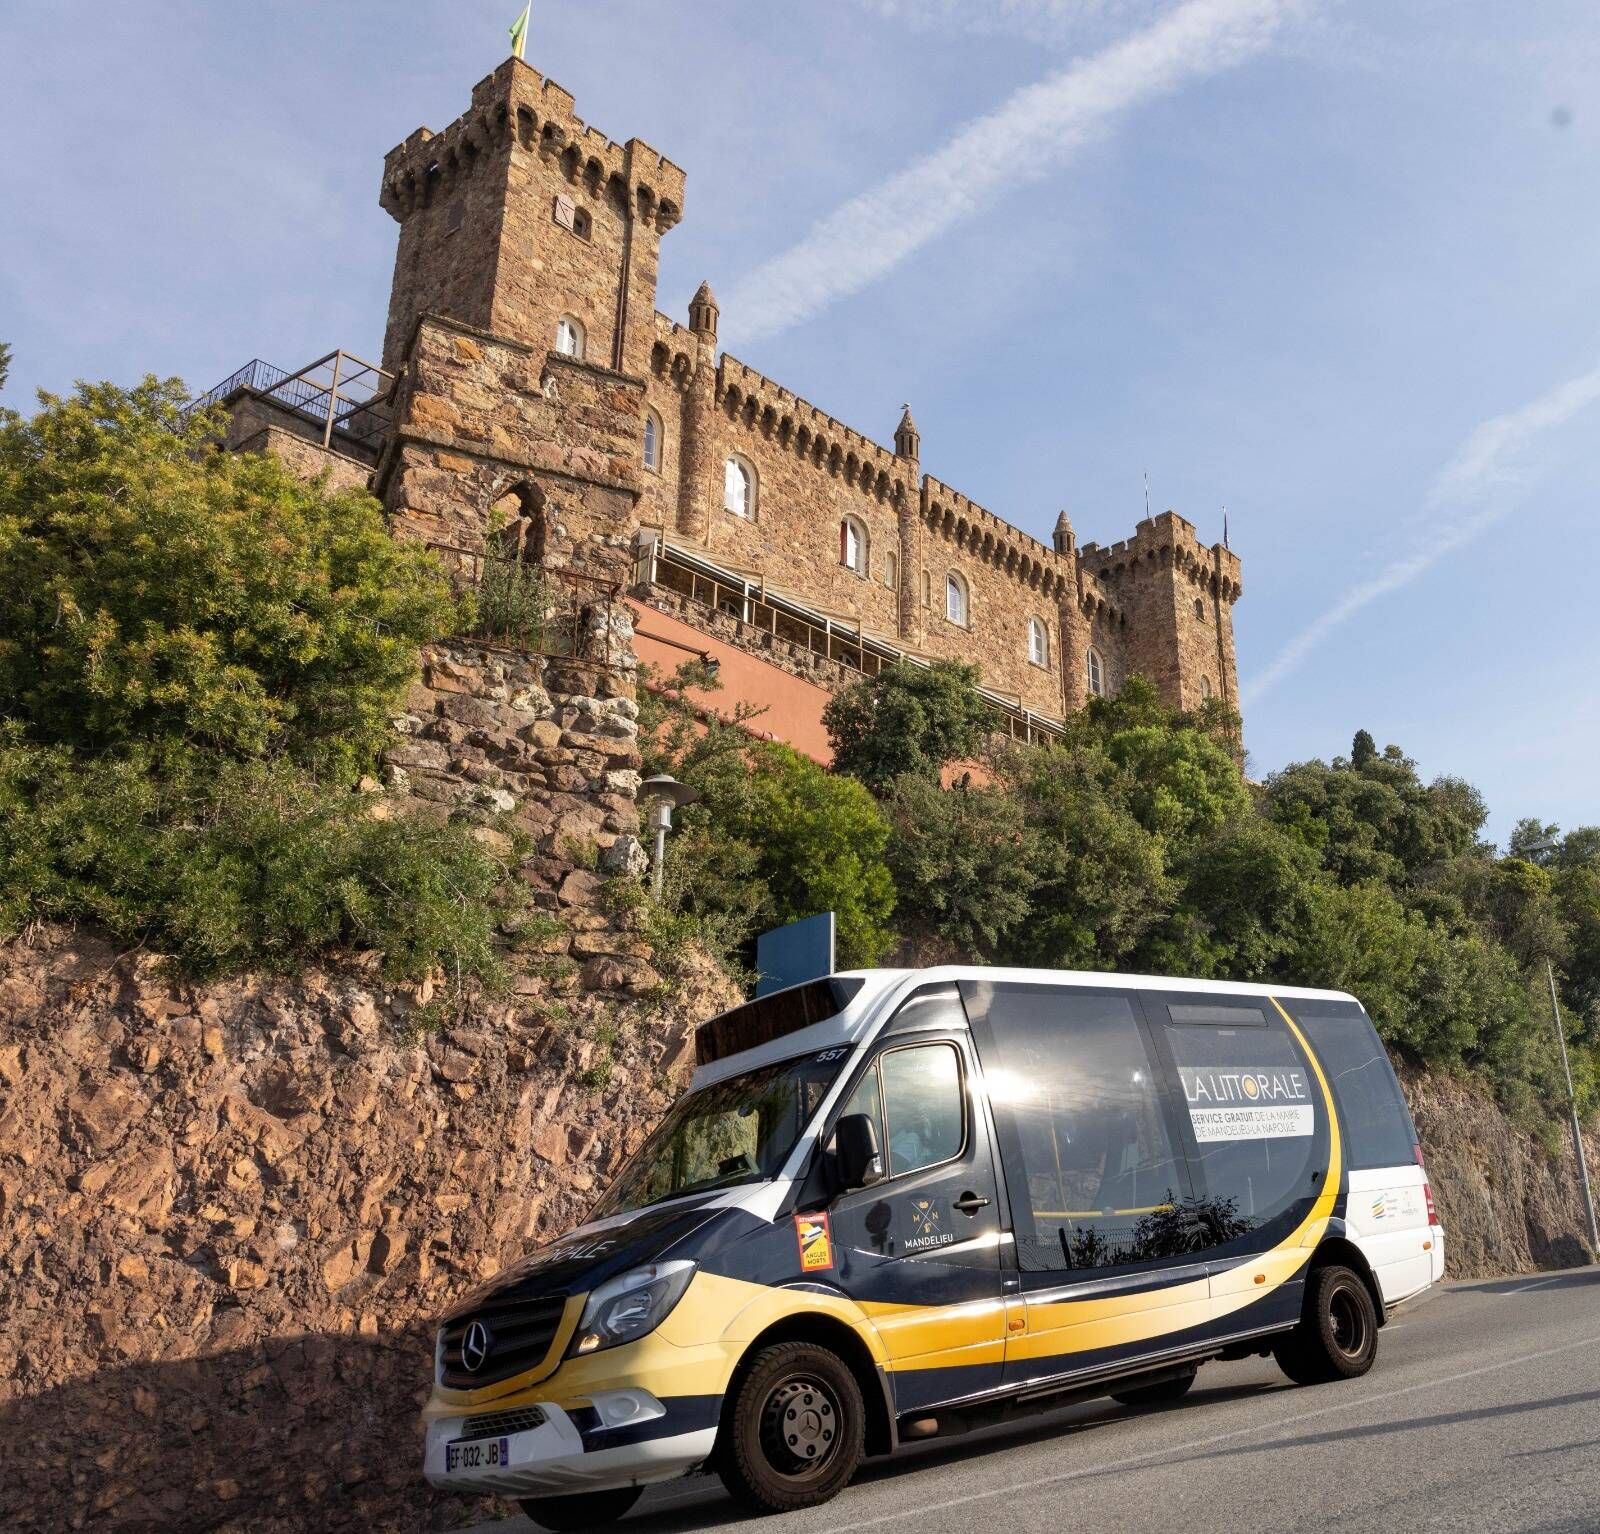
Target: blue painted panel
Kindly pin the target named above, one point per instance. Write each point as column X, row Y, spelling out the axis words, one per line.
column 791, row 955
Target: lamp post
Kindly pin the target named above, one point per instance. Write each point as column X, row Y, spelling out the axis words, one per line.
column 664, row 794
column 1548, row 844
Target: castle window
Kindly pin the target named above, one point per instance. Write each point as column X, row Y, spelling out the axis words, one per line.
column 1205, row 689
column 891, row 572
column 582, row 224
column 853, row 545
column 570, row 337
column 1038, row 643
column 1097, row 674
column 927, row 589
column 955, row 599
column 739, row 487
column 652, row 441
column 1200, row 609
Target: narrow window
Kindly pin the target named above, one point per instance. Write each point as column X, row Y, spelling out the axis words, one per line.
column 738, row 488
column 1200, row 609
column 955, row 599
column 853, row 546
column 927, row 589
column 569, row 337
column 891, row 572
column 1038, row 643
column 1097, row 675
column 1205, row 689
column 652, row 441
column 581, row 223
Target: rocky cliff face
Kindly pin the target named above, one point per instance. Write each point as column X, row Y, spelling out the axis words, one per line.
column 229, row 1216
column 1508, row 1204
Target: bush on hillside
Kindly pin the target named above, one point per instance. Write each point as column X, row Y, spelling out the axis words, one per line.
column 907, row 718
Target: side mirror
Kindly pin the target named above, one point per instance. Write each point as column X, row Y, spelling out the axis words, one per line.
column 855, row 1151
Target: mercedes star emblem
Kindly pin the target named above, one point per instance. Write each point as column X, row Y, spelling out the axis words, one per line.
column 475, row 1347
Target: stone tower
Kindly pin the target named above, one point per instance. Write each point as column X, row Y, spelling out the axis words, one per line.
column 519, row 214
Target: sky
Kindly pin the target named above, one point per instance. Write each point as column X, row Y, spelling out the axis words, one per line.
column 1330, row 264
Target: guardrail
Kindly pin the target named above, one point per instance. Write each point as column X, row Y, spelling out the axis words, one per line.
column 343, row 397
column 717, row 590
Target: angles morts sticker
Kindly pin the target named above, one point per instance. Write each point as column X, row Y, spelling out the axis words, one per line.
column 816, row 1244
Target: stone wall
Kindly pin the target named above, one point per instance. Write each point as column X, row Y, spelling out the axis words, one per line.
column 230, row 1216
column 520, row 213
column 256, row 425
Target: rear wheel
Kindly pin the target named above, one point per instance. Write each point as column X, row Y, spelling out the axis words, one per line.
column 1157, row 1395
column 581, row 1510
column 1337, row 1338
column 795, row 1429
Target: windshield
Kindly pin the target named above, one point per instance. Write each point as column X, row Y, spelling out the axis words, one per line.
column 739, row 1130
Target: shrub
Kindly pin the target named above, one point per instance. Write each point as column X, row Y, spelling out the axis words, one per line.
column 908, row 718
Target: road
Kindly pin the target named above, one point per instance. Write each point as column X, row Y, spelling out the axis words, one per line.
column 1482, row 1414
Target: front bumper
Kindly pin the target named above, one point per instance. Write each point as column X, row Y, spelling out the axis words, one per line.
column 638, row 1448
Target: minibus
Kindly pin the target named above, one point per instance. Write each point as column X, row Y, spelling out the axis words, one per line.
column 899, row 1204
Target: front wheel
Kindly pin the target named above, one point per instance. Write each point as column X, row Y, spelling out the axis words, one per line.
column 581, row 1510
column 795, row 1429
column 1337, row 1338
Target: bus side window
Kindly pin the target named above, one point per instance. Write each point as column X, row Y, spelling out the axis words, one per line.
column 1255, row 1112
column 1093, row 1176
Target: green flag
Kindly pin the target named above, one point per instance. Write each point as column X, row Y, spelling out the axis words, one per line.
column 519, row 31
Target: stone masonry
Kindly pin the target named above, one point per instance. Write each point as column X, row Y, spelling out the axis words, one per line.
column 518, row 219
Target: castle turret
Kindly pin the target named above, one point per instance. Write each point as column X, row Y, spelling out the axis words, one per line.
column 697, row 463
column 908, row 445
column 519, row 216
column 1063, row 537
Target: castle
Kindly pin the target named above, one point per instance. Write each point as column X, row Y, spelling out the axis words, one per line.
column 529, row 382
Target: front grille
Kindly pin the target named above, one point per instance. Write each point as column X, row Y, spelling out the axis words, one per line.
column 500, row 1424
column 520, row 1335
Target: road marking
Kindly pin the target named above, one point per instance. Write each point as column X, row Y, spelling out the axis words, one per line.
column 1543, row 1283
column 923, row 1509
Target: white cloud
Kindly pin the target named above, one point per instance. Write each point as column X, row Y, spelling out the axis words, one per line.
column 1473, row 491
column 1030, row 135
column 1045, row 21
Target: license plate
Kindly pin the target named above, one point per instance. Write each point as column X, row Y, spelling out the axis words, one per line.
column 476, row 1454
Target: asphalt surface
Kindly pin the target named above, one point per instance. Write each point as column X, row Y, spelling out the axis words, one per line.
column 1481, row 1414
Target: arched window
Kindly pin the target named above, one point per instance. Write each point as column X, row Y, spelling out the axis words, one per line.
column 739, row 487
column 891, row 572
column 1205, row 689
column 1097, row 674
column 652, row 441
column 569, row 337
column 1200, row 609
column 853, row 545
column 955, row 599
column 1038, row 643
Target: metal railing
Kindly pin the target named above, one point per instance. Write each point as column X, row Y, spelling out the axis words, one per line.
column 343, row 397
column 706, row 585
column 535, row 609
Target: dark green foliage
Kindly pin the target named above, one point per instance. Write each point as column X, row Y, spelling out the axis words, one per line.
column 5, row 363
column 164, row 593
column 198, row 654
column 908, row 718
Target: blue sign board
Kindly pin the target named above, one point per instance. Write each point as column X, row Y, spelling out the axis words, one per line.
column 791, row 955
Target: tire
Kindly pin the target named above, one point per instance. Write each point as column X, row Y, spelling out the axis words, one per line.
column 1337, row 1338
column 793, row 1431
column 583, row 1509
column 1156, row 1395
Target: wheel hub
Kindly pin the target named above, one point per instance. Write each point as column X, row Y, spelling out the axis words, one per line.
column 800, row 1426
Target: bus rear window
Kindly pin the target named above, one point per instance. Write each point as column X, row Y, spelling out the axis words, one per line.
column 1372, row 1109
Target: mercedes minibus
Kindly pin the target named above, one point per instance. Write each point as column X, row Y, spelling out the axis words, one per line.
column 900, row 1204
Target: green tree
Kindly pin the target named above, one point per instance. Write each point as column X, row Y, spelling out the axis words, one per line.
column 964, row 865
column 5, row 363
column 162, row 592
column 908, row 718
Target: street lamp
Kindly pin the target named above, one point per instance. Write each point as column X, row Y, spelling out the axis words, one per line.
column 664, row 794
column 1549, row 844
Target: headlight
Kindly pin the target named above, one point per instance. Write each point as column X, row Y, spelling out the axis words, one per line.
column 625, row 1308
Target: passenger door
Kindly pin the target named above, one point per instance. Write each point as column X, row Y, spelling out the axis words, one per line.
column 919, row 1250
column 1099, row 1195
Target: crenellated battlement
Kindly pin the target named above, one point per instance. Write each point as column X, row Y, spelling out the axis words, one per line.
column 517, row 108
column 1166, row 541
column 759, row 404
column 991, row 539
